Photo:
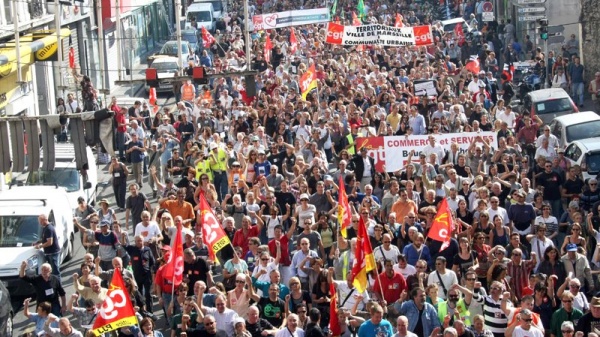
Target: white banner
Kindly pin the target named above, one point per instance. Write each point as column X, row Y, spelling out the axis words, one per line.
column 392, row 151
column 370, row 34
column 290, row 18
column 425, row 88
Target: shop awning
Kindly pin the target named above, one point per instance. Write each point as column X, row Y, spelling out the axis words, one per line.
column 41, row 45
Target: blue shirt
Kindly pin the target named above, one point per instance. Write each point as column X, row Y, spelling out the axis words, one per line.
column 40, row 322
column 576, row 73
column 262, row 169
column 429, row 316
column 166, row 154
column 137, row 156
column 412, row 255
column 264, row 287
column 383, row 329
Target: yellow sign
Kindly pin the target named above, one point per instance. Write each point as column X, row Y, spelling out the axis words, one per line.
column 9, row 85
column 47, row 52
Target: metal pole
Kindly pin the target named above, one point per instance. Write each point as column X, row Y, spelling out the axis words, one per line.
column 118, row 38
column 57, row 25
column 131, row 69
column 100, row 43
column 546, row 82
column 247, row 35
column 17, row 41
column 178, row 32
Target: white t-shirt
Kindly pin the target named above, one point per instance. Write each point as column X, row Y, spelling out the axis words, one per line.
column 406, row 272
column 148, row 232
column 390, row 255
column 449, row 278
column 287, row 333
column 224, row 320
column 344, row 290
column 532, row 332
column 508, row 119
column 271, row 223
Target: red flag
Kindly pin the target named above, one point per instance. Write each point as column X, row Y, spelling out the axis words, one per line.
column 399, row 22
column 509, row 71
column 364, row 261
column 460, row 34
column 207, row 38
column 473, row 64
column 213, row 235
column 334, row 323
column 174, row 267
column 293, row 42
column 308, row 81
column 442, row 226
column 71, row 57
column 268, row 47
column 355, row 20
column 116, row 311
column 344, row 213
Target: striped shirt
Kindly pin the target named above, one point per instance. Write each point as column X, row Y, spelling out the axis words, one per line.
column 519, row 276
column 495, row 319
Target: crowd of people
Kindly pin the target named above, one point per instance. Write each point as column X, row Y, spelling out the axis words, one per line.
column 522, row 259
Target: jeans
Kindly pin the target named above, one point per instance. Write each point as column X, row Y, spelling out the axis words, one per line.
column 166, row 301
column 121, row 144
column 577, row 92
column 52, row 259
column 220, row 181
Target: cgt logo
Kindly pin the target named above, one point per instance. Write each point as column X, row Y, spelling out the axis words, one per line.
column 335, row 33
column 423, row 36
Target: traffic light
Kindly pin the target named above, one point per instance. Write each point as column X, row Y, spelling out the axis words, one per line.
column 199, row 76
column 543, row 24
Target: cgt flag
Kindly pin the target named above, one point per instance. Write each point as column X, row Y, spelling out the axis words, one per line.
column 174, row 267
column 207, row 38
column 442, row 226
column 293, row 42
column 344, row 217
column 364, row 261
column 116, row 311
column 212, row 233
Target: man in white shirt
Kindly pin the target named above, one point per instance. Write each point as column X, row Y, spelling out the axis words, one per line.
column 224, row 317
column 523, row 326
column 346, row 291
column 148, row 229
column 387, row 251
column 433, row 147
column 508, row 116
column 404, row 268
column 443, row 277
column 71, row 104
column 495, row 209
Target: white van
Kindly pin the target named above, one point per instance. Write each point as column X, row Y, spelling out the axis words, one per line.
column 220, row 7
column 20, row 207
column 203, row 14
column 66, row 175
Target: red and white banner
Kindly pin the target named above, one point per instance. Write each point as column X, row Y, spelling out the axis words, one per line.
column 369, row 35
column 392, row 151
column 290, row 18
column 116, row 311
column 212, row 233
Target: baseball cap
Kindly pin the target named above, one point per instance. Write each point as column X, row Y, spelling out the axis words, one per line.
column 303, row 196
column 104, row 223
column 571, row 247
column 154, row 143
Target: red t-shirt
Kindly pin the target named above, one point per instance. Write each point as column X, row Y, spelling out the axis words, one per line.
column 392, row 287
column 285, row 259
column 241, row 240
column 120, row 119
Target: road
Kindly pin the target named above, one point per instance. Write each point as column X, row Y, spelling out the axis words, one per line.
column 67, row 269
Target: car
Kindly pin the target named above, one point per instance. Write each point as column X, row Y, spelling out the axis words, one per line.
column 548, row 104
column 66, row 175
column 20, row 207
column 170, row 48
column 570, row 128
column 191, row 36
column 449, row 25
column 6, row 312
column 586, row 154
column 166, row 67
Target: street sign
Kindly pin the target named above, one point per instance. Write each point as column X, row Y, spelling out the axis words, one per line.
column 488, row 11
column 532, row 17
column 530, row 2
column 532, row 10
column 556, row 29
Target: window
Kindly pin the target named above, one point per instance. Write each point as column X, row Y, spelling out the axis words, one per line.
column 592, row 161
column 573, row 152
column 8, row 12
column 583, row 131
